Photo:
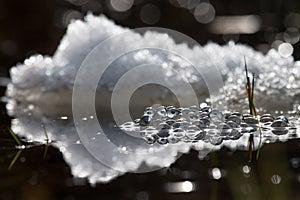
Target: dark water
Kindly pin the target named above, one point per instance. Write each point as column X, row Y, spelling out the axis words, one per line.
column 275, row 175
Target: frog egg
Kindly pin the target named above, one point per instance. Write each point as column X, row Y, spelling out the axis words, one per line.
column 145, row 120
column 150, row 130
column 245, row 115
column 194, row 108
column 212, row 126
column 226, row 114
column 150, row 139
column 265, row 119
column 180, row 109
column 217, row 122
column 172, row 112
column 234, row 118
column 235, row 134
column 232, row 124
column 172, row 139
column 161, row 111
column 185, row 112
column 162, row 140
column 250, row 120
column 192, row 132
column 181, row 124
column 196, row 123
column 283, row 118
column 149, row 111
column 204, row 123
column 279, row 123
column 244, row 127
column 193, row 116
column 279, row 127
column 179, row 133
column 201, row 135
column 143, row 133
column 203, row 115
column 170, row 122
column 128, row 126
column 163, row 126
column 268, row 123
column 215, row 114
column 237, row 114
column 206, row 109
column 280, row 131
column 176, row 125
column 215, row 140
column 223, row 128
column 211, row 132
column 266, row 115
column 252, row 129
column 136, row 121
column 155, row 122
column 163, row 133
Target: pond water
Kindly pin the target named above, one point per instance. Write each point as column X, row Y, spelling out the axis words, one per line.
column 44, row 90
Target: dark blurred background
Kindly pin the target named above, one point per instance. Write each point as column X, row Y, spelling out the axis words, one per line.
column 35, row 26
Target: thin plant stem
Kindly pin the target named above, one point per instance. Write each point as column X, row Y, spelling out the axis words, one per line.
column 250, row 95
column 15, row 159
column 248, row 87
column 18, row 152
column 259, row 144
column 255, row 113
column 14, row 136
column 250, row 144
column 47, row 141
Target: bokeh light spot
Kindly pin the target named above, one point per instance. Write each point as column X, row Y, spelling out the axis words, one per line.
column 285, row 49
column 150, row 14
column 121, row 5
column 276, row 179
column 204, row 13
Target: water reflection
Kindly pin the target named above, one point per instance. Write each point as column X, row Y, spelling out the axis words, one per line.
column 178, row 187
column 238, row 24
column 216, row 173
column 276, row 179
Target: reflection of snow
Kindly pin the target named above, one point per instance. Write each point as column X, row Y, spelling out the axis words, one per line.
column 42, row 86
